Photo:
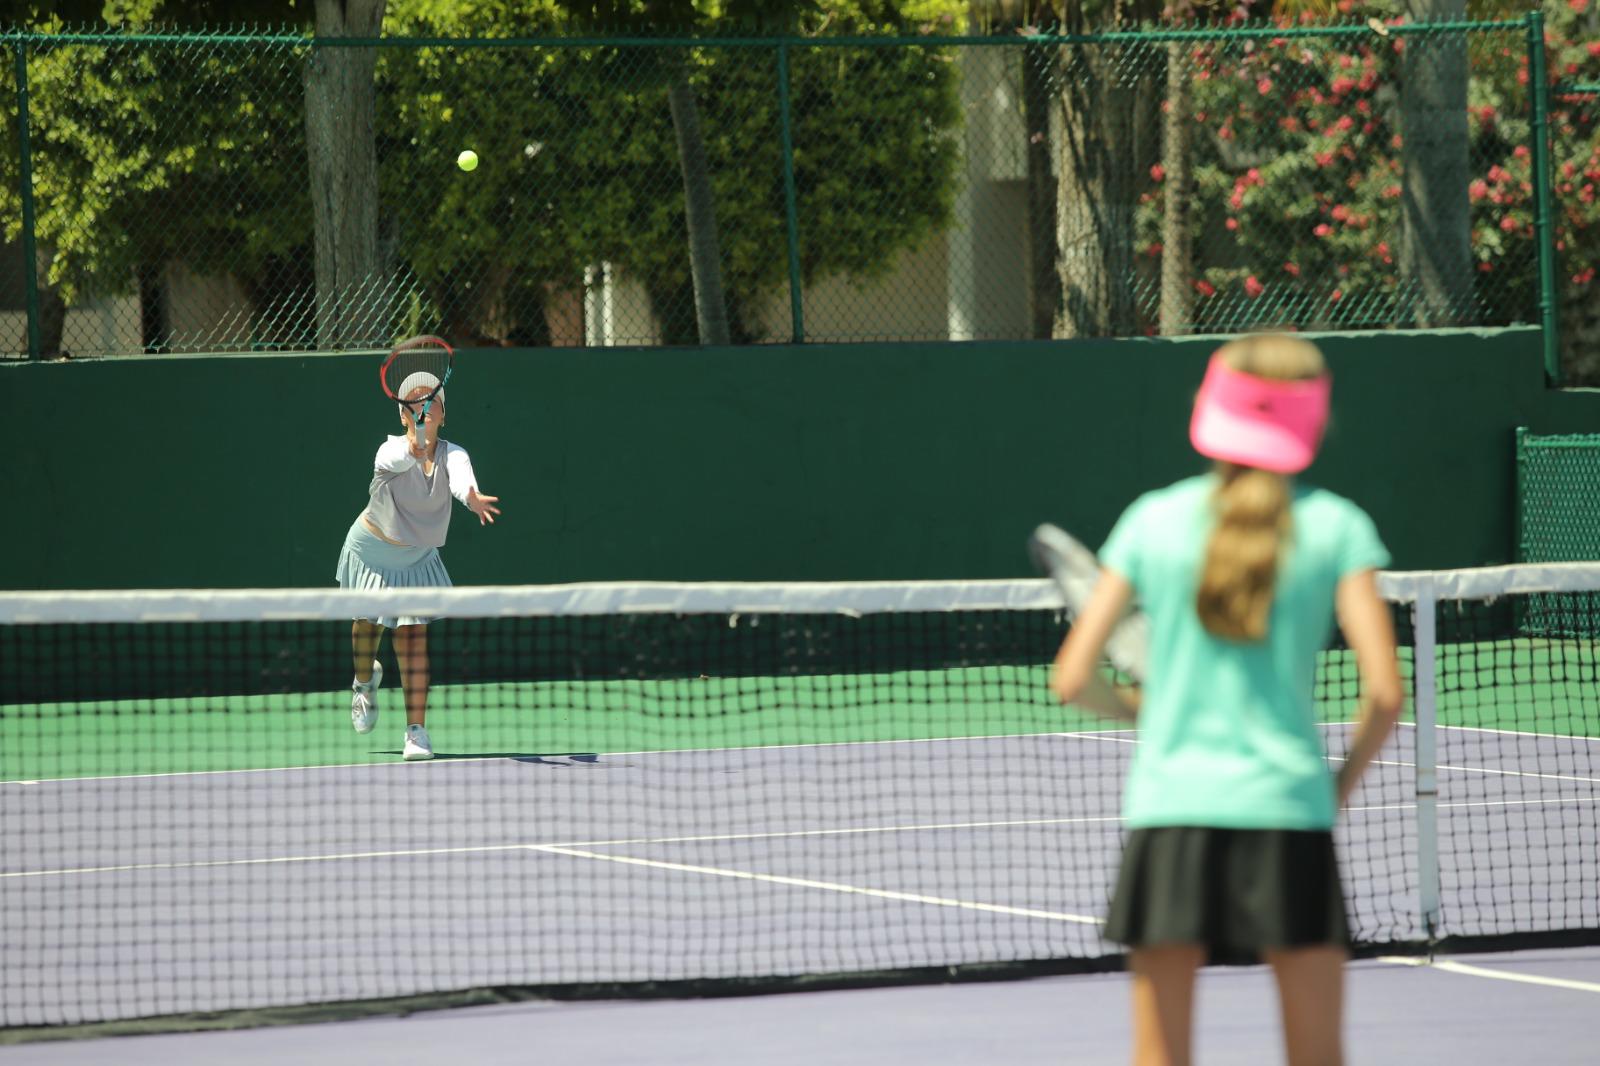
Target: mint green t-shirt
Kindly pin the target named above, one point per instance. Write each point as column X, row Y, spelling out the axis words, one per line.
column 1227, row 733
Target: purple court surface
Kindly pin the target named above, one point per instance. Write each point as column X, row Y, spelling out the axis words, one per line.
column 1541, row 1008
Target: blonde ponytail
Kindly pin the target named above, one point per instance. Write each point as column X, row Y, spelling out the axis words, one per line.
column 1241, row 565
column 1253, row 525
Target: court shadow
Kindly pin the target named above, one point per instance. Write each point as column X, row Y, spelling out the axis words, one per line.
column 570, row 758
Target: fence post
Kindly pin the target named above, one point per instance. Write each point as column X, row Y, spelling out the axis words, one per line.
column 791, row 221
column 30, row 244
column 1544, row 230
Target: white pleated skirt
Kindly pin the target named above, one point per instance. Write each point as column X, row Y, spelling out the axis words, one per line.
column 367, row 561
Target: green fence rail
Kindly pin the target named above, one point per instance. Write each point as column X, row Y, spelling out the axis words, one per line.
column 259, row 191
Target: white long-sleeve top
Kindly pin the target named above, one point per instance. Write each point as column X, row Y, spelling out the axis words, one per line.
column 410, row 506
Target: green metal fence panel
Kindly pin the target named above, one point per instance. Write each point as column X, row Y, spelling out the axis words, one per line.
column 1558, row 497
column 845, row 189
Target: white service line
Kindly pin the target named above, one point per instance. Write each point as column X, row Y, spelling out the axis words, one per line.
column 829, row 886
column 1499, row 975
column 1486, row 770
column 621, row 842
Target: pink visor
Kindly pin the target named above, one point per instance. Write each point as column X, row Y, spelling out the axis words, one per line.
column 1259, row 422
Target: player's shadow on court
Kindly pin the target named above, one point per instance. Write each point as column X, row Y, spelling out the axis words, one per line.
column 578, row 759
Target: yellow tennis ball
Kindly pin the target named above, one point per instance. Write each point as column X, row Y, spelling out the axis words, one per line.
column 467, row 160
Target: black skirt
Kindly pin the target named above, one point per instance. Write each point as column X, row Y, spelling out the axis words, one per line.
column 1236, row 892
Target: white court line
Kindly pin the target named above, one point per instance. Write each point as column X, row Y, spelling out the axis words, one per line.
column 708, row 838
column 446, row 761
column 625, row 841
column 829, row 886
column 1486, row 770
column 1103, row 734
column 1499, row 975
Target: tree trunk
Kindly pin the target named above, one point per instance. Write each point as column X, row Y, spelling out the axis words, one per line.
column 1436, row 252
column 1177, row 254
column 705, row 251
column 1095, row 193
column 1579, row 309
column 352, row 290
column 1044, row 287
column 52, row 306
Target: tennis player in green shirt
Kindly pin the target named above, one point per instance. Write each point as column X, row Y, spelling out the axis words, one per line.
column 1230, row 804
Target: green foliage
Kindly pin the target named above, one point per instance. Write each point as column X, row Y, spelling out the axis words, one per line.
column 130, row 168
column 580, row 160
column 149, row 153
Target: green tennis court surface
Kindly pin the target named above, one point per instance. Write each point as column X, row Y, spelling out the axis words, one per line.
column 1483, row 686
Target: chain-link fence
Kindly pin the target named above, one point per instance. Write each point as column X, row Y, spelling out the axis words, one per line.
column 220, row 192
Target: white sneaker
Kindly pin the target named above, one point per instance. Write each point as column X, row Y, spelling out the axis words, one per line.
column 418, row 746
column 364, row 701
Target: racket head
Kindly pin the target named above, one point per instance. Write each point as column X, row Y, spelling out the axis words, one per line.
column 425, row 354
column 1076, row 572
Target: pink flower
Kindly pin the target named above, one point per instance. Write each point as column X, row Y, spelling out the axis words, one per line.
column 1205, row 288
column 1345, row 122
column 1594, row 49
column 1508, row 224
column 1292, row 269
column 1157, row 172
column 1252, row 287
column 1578, row 6
column 1395, row 141
column 1237, row 199
column 1323, row 158
column 1232, row 223
column 1391, row 192
column 1341, row 213
column 1253, row 176
column 1336, row 296
column 1323, row 229
column 1264, row 86
column 1478, row 189
column 1520, row 151
column 1342, row 85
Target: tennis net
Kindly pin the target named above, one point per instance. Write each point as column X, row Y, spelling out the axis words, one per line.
column 685, row 789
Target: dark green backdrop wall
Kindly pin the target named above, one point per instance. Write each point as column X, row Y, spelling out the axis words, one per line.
column 828, row 462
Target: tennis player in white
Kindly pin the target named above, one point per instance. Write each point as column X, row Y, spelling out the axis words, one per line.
column 1230, row 803
column 395, row 542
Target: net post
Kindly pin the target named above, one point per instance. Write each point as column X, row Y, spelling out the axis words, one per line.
column 1425, row 709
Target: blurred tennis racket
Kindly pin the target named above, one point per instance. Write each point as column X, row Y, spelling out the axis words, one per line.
column 1076, row 571
column 427, row 354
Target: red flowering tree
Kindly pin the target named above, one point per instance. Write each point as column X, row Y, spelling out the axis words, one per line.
column 1296, row 175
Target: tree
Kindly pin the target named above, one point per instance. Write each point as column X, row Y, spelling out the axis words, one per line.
column 1436, row 256
column 143, row 155
column 581, row 165
column 353, row 290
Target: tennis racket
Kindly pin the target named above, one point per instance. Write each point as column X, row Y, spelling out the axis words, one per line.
column 1076, row 571
column 426, row 355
